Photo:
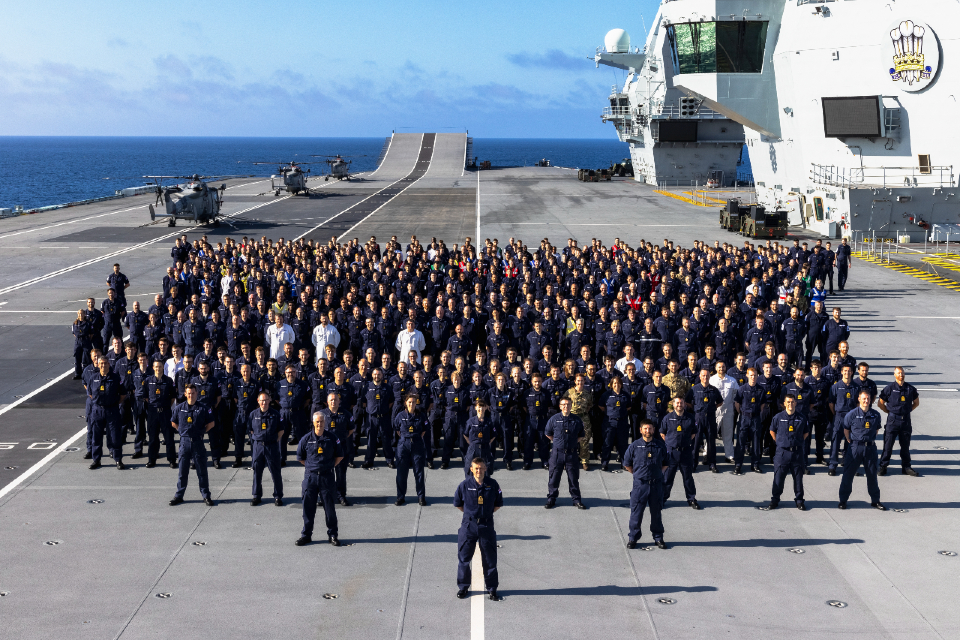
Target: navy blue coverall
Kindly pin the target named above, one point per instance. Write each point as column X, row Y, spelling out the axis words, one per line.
column 105, row 393
column 791, row 431
column 646, row 461
column 678, row 433
column 478, row 501
column 411, row 451
column 192, row 421
column 319, row 456
column 265, row 428
column 566, row 432
column 862, row 450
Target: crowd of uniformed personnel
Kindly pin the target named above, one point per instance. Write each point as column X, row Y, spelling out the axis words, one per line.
column 540, row 355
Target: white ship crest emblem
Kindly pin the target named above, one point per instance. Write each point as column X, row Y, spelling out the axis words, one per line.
column 916, row 54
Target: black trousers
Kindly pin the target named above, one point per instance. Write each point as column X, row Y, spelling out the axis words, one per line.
column 471, row 534
column 158, row 426
column 535, row 440
column 411, row 453
column 379, row 428
column 319, row 485
column 681, row 460
column 750, row 431
column 266, row 454
column 890, row 438
column 81, row 358
column 560, row 462
column 240, row 429
column 340, row 475
column 860, row 453
column 452, row 428
column 819, row 435
column 788, row 462
column 192, row 451
column 614, row 433
column 706, row 433
column 646, row 495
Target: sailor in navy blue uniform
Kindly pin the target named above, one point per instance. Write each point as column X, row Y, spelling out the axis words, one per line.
column 293, row 395
column 479, row 434
column 678, row 432
column 160, row 395
column 898, row 400
column 246, row 390
column 565, row 431
column 266, row 432
column 192, row 419
column 789, row 429
column 342, row 425
column 842, row 399
column 749, row 403
column 411, row 425
column 376, row 401
column 478, row 497
column 860, row 428
column 615, row 403
column 106, row 392
column 319, row 452
column 646, row 459
column 537, row 402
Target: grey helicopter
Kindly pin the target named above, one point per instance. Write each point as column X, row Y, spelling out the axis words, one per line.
column 195, row 201
column 290, row 177
column 339, row 167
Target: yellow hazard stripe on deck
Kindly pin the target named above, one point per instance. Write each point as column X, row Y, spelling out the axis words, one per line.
column 930, row 278
column 702, row 195
column 951, row 263
column 676, row 196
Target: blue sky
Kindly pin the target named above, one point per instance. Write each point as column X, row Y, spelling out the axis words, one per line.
column 500, row 69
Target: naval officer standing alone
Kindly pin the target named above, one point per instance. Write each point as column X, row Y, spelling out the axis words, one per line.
column 478, row 497
column 646, row 459
column 319, row 451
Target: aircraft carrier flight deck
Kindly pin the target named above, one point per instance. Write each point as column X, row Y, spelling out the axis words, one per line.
column 100, row 554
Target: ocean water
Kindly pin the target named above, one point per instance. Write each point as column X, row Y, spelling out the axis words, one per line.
column 42, row 171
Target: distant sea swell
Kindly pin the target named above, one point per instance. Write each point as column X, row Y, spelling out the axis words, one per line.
column 42, row 171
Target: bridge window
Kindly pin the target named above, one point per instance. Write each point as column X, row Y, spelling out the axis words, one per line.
column 718, row 47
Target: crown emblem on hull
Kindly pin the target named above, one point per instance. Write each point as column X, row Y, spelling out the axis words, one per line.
column 908, row 60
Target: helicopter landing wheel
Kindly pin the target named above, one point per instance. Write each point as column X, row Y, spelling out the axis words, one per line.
column 172, row 223
column 216, row 222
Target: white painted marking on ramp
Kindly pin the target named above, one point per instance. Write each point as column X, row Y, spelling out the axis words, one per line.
column 45, row 311
column 99, row 215
column 930, row 317
column 347, row 232
column 113, row 254
column 389, row 144
column 60, row 224
column 476, row 600
column 47, row 458
column 935, row 389
column 478, row 210
column 43, row 461
column 345, row 210
column 20, row 401
column 406, row 581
